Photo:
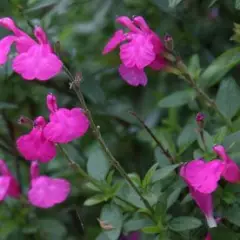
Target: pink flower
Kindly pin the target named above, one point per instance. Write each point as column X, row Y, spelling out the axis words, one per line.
column 202, row 176
column 202, row 179
column 8, row 184
column 65, row 124
column 36, row 60
column 34, row 146
column 204, row 202
column 231, row 170
column 140, row 47
column 45, row 192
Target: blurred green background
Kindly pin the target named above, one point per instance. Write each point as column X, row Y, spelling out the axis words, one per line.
column 201, row 31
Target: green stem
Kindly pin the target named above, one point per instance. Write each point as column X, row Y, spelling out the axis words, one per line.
column 160, row 145
column 98, row 136
column 126, row 202
column 76, row 167
column 206, row 98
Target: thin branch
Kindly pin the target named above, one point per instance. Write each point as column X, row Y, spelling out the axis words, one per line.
column 160, row 145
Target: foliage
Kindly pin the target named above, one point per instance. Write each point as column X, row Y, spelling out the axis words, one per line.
column 201, row 31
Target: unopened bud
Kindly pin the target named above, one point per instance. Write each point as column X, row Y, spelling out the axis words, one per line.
column 168, row 42
column 25, row 121
column 200, row 117
column 57, row 47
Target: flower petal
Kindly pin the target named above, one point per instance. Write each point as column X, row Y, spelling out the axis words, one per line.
column 204, row 201
column 66, row 125
column 34, row 146
column 158, row 64
column 127, row 22
column 40, row 35
column 138, row 52
column 5, row 46
column 4, row 186
column 133, row 76
column 45, row 192
column 202, row 176
column 114, row 41
column 231, row 171
column 37, row 63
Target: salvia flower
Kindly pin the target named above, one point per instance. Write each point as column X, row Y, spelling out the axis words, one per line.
column 45, row 192
column 34, row 146
column 35, row 59
column 140, row 47
column 202, row 179
column 231, row 170
column 8, row 184
column 65, row 124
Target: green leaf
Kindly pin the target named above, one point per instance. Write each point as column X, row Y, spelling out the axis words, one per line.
column 7, row 227
column 208, row 141
column 98, row 165
column 110, row 176
column 4, row 105
column 173, row 3
column 233, row 215
column 161, row 158
column 52, row 229
column 228, row 97
column 179, row 224
column 173, row 197
column 148, row 177
column 95, row 200
column 135, row 178
column 232, row 139
column 151, row 229
column 177, row 99
column 237, row 4
column 187, row 136
column 111, row 214
column 194, row 66
column 222, row 233
column 220, row 135
column 42, row 4
column 219, row 67
column 161, row 206
column 136, row 224
column 164, row 172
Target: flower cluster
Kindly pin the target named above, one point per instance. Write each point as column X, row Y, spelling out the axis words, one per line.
column 39, row 146
column 35, row 59
column 140, row 47
column 202, row 179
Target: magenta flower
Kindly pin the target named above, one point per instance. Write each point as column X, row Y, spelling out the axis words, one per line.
column 231, row 171
column 35, row 60
column 140, row 47
column 45, row 192
column 202, row 176
column 34, row 146
column 202, row 179
column 8, row 184
column 65, row 124
column 131, row 236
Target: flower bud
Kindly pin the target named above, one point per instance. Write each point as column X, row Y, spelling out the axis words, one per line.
column 200, row 119
column 168, row 42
